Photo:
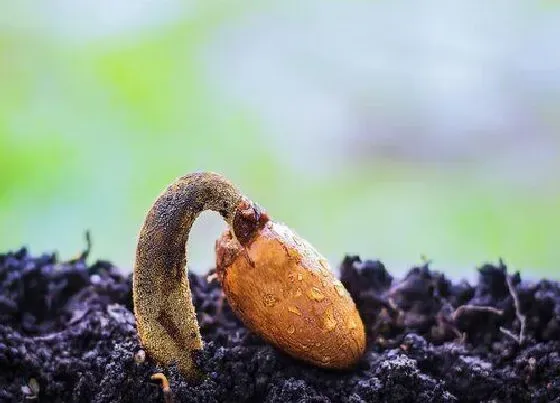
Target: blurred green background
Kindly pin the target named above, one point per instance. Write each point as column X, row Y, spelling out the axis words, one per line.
column 374, row 128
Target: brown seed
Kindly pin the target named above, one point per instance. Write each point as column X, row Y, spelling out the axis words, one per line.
column 320, row 326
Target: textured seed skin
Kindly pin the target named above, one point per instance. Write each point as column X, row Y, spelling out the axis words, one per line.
column 282, row 289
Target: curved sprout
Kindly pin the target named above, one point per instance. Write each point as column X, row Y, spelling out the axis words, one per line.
column 165, row 316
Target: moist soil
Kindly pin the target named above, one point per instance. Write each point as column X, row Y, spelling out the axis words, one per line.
column 67, row 334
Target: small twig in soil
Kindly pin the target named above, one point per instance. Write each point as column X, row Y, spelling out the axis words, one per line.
column 510, row 334
column 427, row 261
column 394, row 289
column 85, row 253
column 446, row 326
column 461, row 310
column 167, row 395
column 520, row 317
column 475, row 308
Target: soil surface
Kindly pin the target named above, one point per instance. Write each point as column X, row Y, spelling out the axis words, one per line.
column 67, row 333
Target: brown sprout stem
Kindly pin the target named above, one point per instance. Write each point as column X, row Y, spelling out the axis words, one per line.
column 510, row 334
column 165, row 315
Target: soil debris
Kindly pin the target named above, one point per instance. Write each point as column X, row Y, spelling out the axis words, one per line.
column 67, row 333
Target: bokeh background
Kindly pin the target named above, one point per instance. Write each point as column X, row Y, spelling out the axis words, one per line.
column 385, row 129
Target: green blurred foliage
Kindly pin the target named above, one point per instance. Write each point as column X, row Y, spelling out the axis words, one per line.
column 92, row 131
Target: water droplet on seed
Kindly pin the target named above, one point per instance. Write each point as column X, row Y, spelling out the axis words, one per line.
column 291, row 329
column 269, row 300
column 328, row 319
column 294, row 310
column 324, row 267
column 326, row 359
column 316, row 294
column 340, row 289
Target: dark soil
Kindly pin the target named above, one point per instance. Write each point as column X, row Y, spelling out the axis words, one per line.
column 67, row 333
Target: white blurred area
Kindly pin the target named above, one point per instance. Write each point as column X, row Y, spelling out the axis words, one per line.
column 79, row 22
column 439, row 82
